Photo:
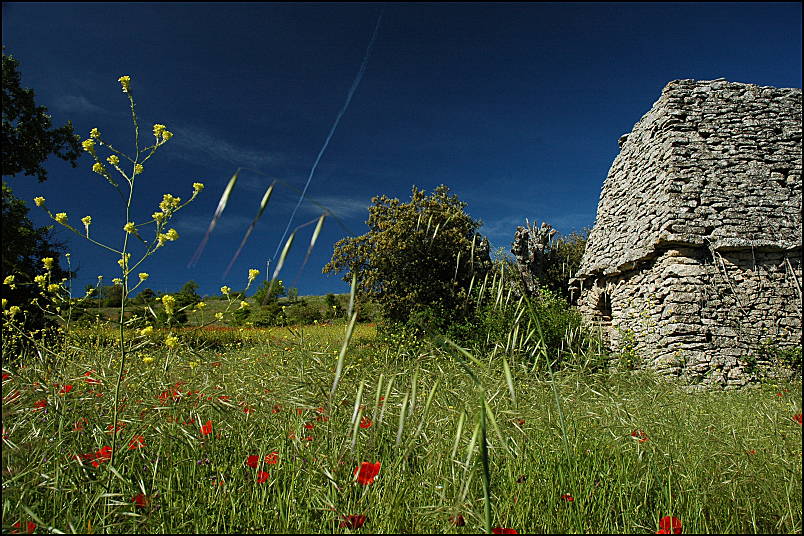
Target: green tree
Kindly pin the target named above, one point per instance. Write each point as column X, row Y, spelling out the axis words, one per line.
column 418, row 259
column 188, row 295
column 23, row 248
column 28, row 138
column 261, row 296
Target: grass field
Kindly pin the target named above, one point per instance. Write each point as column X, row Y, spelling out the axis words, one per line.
column 245, row 436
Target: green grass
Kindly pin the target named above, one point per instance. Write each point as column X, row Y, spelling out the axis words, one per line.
column 720, row 461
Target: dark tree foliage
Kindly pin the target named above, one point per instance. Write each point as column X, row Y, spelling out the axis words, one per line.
column 562, row 261
column 188, row 295
column 28, row 136
column 418, row 259
column 23, row 248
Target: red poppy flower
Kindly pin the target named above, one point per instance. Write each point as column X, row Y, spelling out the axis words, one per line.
column 567, row 497
column 457, row 520
column 669, row 524
column 779, row 394
column 253, row 461
column 224, row 398
column 66, row 389
column 797, row 418
column 79, row 424
column 299, row 411
column 520, row 422
column 247, row 410
column 117, row 428
column 30, row 526
column 500, row 530
column 39, row 404
column 752, row 451
column 365, row 422
column 6, row 376
column 639, row 435
column 207, row 428
column 136, row 442
column 319, row 410
column 308, row 438
column 367, row 472
column 322, row 418
column 272, row 458
column 277, row 408
column 88, row 377
column 352, row 522
column 140, row 500
column 215, row 364
column 309, row 425
column 262, row 476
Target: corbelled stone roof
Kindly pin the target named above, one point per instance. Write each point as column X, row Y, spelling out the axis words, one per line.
column 713, row 163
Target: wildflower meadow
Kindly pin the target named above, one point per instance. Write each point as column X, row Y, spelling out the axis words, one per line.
column 145, row 425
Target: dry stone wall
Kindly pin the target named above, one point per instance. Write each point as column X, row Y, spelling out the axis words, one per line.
column 695, row 257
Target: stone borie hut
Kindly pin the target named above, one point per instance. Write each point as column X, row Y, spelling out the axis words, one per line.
column 694, row 260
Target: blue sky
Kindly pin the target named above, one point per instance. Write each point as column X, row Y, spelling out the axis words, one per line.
column 516, row 107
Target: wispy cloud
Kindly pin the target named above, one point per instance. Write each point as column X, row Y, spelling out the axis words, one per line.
column 197, row 142
column 342, row 207
column 77, row 104
column 229, row 223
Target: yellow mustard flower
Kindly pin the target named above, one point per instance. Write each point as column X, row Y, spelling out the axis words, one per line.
column 39, row 201
column 13, row 310
column 143, row 276
column 198, row 186
column 117, row 281
column 53, row 287
column 88, row 145
column 40, row 279
column 137, row 169
column 219, row 316
column 61, row 217
column 252, row 274
column 147, row 360
column 125, row 82
column 129, row 227
column 172, row 235
column 9, row 280
column 4, row 302
column 169, row 202
column 87, row 221
column 225, row 290
column 94, row 133
column 113, row 160
column 243, row 304
column 171, row 341
column 123, row 262
column 158, row 130
column 169, row 302
column 158, row 216
column 147, row 330
column 48, row 262
column 166, row 135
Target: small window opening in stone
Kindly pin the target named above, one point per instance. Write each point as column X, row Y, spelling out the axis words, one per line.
column 708, row 336
column 604, row 306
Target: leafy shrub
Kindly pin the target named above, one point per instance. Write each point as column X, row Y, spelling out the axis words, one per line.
column 417, row 256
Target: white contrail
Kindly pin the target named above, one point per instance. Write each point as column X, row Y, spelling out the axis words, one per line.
column 356, row 83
